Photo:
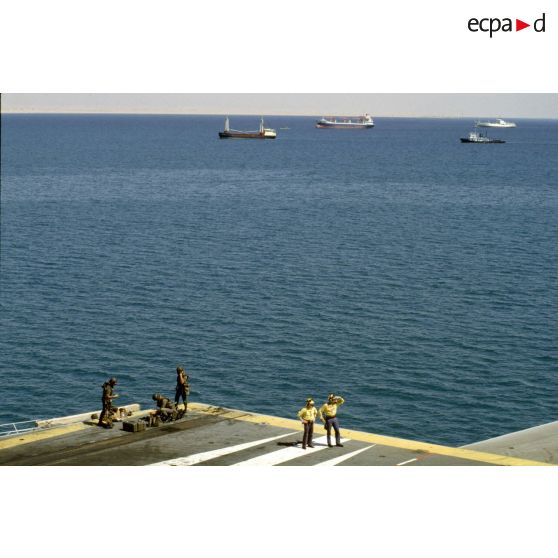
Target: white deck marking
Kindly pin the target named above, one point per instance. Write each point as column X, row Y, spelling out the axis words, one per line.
column 207, row 455
column 405, row 462
column 280, row 456
column 342, row 458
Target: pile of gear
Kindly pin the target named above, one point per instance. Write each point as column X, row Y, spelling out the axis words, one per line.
column 166, row 411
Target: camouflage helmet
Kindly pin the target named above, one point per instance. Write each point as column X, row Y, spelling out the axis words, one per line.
column 156, row 396
column 331, row 397
column 113, row 381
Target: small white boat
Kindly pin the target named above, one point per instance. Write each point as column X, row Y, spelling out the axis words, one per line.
column 498, row 123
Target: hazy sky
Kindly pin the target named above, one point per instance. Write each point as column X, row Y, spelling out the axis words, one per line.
column 528, row 105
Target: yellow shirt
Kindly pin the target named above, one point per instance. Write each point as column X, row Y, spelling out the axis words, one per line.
column 308, row 413
column 329, row 410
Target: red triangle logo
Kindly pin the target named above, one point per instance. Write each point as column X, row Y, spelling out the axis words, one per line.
column 519, row 25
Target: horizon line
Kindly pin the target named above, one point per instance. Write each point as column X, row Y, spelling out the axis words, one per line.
column 141, row 113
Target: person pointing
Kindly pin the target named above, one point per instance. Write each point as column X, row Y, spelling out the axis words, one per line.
column 328, row 415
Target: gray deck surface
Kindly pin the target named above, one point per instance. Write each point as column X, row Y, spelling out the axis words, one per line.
column 244, row 440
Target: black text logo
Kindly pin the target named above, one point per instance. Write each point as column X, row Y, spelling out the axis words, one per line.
column 493, row 25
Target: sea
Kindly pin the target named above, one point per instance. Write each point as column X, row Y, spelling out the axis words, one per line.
column 413, row 275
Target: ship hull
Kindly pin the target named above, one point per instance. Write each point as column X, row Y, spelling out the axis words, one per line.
column 467, row 140
column 340, row 126
column 244, row 135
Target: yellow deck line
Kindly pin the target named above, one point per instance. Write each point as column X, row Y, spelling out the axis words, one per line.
column 435, row 449
column 422, row 447
column 40, row 435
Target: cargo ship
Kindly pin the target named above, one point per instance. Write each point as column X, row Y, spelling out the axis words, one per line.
column 346, row 122
column 262, row 133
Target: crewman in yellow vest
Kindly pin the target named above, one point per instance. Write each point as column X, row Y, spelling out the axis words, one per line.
column 308, row 415
column 328, row 415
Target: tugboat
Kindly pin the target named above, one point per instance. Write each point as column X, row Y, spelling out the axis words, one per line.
column 479, row 137
column 262, row 133
column 499, row 123
column 347, row 122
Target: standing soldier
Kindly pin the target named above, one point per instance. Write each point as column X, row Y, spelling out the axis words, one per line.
column 182, row 387
column 106, row 414
column 328, row 415
column 308, row 415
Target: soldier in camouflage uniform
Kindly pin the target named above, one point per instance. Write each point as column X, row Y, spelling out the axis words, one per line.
column 166, row 409
column 108, row 395
column 182, row 387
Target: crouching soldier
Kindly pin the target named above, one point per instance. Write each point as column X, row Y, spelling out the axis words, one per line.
column 166, row 409
column 108, row 410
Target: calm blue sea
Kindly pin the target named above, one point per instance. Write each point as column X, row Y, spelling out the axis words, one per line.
column 414, row 275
